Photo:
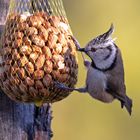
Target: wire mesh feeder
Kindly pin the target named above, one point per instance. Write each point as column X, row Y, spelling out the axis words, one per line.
column 36, row 51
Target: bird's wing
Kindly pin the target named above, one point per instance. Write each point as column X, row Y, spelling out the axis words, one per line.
column 115, row 78
column 116, row 84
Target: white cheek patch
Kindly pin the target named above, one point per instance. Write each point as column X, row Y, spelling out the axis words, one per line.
column 105, row 64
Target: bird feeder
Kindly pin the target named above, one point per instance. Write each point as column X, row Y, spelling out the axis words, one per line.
column 37, row 51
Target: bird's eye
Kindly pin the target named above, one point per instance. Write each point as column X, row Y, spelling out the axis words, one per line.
column 93, row 49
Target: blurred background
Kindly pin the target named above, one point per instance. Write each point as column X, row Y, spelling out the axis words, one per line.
column 80, row 117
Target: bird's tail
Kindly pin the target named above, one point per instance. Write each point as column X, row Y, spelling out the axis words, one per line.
column 128, row 104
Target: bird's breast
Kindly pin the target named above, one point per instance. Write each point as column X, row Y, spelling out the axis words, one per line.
column 96, row 80
column 96, row 84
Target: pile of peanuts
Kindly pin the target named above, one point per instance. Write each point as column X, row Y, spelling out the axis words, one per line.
column 36, row 51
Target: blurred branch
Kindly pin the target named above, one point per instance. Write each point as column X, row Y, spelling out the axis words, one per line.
column 4, row 4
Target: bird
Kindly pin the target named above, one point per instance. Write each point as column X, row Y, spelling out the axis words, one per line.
column 105, row 72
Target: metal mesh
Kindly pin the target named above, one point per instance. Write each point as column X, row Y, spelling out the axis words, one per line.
column 36, row 51
column 52, row 7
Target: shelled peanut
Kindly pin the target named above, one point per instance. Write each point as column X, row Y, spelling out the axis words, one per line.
column 37, row 51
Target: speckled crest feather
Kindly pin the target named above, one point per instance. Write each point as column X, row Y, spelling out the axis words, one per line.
column 102, row 38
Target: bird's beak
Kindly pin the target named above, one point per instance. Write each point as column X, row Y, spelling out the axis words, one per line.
column 82, row 50
column 85, row 50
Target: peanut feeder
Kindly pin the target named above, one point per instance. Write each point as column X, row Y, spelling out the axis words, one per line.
column 36, row 51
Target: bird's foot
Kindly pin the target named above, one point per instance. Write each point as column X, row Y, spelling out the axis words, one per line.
column 62, row 86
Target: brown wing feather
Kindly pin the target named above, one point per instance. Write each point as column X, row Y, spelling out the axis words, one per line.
column 116, row 77
column 116, row 84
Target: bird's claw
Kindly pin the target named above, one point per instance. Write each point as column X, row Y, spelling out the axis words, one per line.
column 62, row 86
column 75, row 42
column 59, row 85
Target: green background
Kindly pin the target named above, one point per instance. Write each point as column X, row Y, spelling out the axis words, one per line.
column 79, row 117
